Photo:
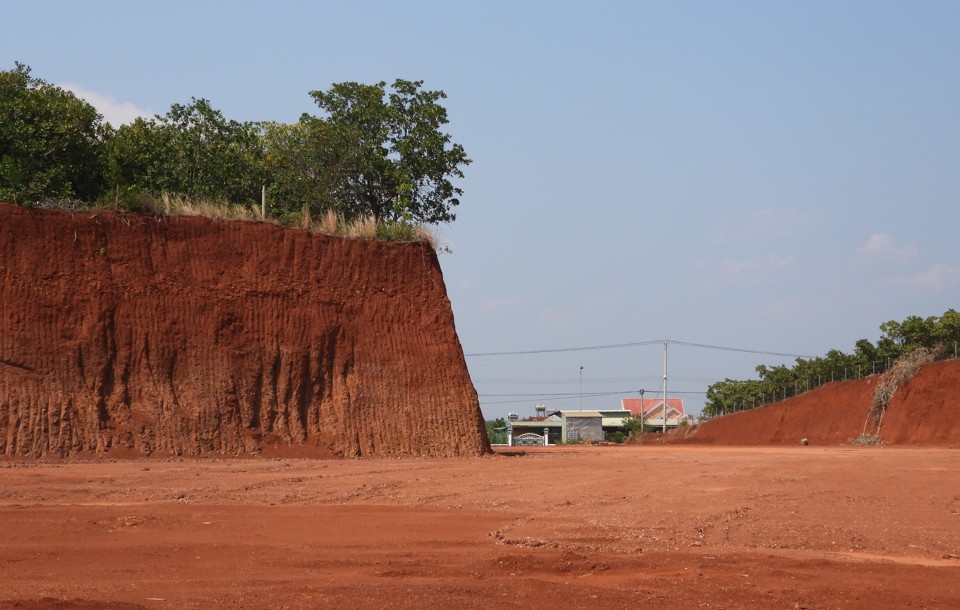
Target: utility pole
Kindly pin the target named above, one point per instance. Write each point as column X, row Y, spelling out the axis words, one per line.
column 664, row 387
column 581, row 388
column 642, row 410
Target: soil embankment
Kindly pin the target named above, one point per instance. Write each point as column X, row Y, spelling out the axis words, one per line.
column 924, row 411
column 131, row 335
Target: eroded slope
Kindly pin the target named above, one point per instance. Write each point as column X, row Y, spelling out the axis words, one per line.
column 134, row 335
column 924, row 411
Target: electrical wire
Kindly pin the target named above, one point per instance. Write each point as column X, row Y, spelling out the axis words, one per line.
column 591, row 394
column 594, row 380
column 638, row 344
column 525, row 398
column 738, row 349
column 560, row 397
column 564, row 349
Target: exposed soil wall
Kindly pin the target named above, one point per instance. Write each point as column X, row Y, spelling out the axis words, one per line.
column 132, row 335
column 924, row 411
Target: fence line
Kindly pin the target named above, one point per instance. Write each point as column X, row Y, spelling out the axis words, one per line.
column 847, row 373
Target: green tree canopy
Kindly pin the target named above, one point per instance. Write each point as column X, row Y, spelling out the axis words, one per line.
column 897, row 339
column 634, row 424
column 51, row 142
column 306, row 165
column 372, row 151
column 387, row 151
column 193, row 151
column 497, row 430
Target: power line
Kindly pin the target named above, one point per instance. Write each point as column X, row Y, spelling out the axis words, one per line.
column 564, row 349
column 591, row 394
column 524, row 398
column 638, row 344
column 559, row 397
column 594, row 381
column 559, row 394
column 738, row 349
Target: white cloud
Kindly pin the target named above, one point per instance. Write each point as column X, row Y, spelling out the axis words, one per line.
column 114, row 112
column 558, row 317
column 934, row 279
column 495, row 305
column 880, row 245
column 724, row 273
column 789, row 309
column 766, row 224
column 756, row 264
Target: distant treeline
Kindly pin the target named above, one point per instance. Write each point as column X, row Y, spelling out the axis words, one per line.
column 372, row 152
column 939, row 333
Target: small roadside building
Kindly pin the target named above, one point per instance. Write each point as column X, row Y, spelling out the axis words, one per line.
column 578, row 426
column 543, row 430
column 610, row 421
column 582, row 426
column 588, row 426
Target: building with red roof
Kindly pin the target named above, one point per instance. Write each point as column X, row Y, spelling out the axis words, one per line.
column 652, row 410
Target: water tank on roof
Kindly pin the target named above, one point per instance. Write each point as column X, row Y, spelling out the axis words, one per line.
column 513, row 416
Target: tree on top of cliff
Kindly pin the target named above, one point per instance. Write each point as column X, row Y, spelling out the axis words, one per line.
column 193, row 151
column 51, row 142
column 371, row 154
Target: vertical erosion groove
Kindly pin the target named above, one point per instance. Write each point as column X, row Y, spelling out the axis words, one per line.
column 126, row 335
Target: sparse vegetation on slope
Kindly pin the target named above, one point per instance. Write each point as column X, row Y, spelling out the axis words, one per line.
column 330, row 223
column 938, row 334
column 896, row 376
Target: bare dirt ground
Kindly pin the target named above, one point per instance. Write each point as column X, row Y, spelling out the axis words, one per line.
column 598, row 527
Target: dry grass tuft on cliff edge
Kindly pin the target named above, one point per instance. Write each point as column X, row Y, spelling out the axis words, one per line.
column 331, row 223
column 178, row 206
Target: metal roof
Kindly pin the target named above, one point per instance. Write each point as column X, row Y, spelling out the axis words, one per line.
column 536, row 424
column 612, row 422
column 616, row 413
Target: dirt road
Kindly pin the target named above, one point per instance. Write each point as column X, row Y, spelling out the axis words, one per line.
column 607, row 527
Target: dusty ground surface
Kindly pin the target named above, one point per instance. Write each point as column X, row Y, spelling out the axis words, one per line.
column 598, row 527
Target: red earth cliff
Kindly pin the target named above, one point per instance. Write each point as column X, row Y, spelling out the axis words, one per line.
column 924, row 411
column 132, row 335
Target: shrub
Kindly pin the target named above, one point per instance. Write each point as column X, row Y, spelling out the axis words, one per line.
column 901, row 372
column 399, row 230
column 866, row 440
column 616, row 437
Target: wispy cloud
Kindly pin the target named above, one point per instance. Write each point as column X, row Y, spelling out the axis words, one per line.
column 497, row 305
column 756, row 264
column 730, row 272
column 766, row 224
column 936, row 278
column 114, row 112
column 558, row 317
column 788, row 309
column 881, row 246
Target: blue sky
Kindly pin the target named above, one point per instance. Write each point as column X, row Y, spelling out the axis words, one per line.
column 772, row 176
